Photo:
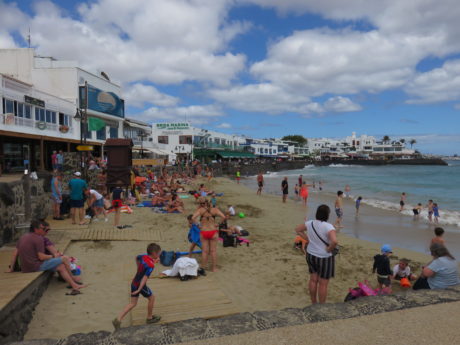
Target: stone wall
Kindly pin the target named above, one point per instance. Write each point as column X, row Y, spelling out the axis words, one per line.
column 199, row 329
column 20, row 202
column 15, row 317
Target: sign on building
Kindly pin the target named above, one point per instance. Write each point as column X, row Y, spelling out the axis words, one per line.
column 173, row 126
column 102, row 101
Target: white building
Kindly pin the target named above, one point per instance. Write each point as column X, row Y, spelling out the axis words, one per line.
column 66, row 81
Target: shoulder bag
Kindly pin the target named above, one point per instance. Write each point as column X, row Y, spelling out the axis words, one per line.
column 335, row 251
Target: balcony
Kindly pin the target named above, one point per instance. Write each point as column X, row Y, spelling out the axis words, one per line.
column 9, row 122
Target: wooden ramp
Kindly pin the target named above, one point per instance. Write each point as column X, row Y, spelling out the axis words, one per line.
column 113, row 234
column 176, row 300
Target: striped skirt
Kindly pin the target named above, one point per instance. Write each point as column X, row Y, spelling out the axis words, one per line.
column 324, row 267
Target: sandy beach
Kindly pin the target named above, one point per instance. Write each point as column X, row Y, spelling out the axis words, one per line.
column 269, row 274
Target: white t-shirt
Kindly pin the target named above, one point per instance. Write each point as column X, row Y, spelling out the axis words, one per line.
column 96, row 194
column 315, row 246
column 401, row 273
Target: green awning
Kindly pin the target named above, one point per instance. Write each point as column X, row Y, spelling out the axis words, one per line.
column 235, row 154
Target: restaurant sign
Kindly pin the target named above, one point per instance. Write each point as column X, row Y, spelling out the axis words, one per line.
column 173, row 126
column 34, row 101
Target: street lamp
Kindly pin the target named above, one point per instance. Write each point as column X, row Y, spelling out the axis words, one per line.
column 82, row 116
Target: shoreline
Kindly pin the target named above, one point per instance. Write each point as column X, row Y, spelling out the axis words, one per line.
column 378, row 225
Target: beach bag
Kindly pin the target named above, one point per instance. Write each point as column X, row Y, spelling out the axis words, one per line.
column 167, row 258
column 229, row 241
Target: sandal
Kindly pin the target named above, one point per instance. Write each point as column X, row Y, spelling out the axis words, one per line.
column 73, row 293
column 154, row 319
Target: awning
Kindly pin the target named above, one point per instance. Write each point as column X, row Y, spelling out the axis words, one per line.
column 235, row 154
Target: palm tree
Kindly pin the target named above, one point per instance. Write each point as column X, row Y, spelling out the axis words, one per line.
column 402, row 141
column 412, row 142
column 386, row 138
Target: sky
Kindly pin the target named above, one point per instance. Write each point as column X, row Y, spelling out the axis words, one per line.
column 265, row 68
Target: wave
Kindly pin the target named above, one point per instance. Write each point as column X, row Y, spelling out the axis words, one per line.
column 447, row 217
column 345, row 166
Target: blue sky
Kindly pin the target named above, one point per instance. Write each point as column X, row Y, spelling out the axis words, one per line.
column 266, row 68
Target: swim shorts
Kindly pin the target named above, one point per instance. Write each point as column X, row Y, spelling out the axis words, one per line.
column 384, row 280
column 415, row 212
column 76, row 203
column 116, row 203
column 261, row 184
column 401, row 203
column 339, row 212
column 146, row 292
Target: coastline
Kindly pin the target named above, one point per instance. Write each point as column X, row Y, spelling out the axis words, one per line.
column 268, row 275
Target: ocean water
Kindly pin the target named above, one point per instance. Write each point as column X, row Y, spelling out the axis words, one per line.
column 381, row 186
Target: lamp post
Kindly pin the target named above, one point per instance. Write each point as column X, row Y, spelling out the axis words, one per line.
column 82, row 116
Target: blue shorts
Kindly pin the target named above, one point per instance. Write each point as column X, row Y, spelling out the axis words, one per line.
column 99, row 203
column 339, row 212
column 76, row 203
column 50, row 264
column 146, row 292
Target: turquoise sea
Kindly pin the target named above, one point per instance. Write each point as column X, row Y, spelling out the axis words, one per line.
column 381, row 186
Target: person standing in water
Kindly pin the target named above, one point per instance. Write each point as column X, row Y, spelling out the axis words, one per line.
column 285, row 189
column 260, row 183
column 402, row 202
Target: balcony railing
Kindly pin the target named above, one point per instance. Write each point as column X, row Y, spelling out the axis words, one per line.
column 218, row 146
column 11, row 120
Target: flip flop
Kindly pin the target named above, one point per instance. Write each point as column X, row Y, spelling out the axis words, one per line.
column 154, row 319
column 73, row 293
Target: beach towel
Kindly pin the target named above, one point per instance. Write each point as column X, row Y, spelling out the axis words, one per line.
column 123, row 209
column 194, row 235
column 183, row 267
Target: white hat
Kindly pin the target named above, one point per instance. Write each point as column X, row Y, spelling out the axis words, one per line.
column 77, row 173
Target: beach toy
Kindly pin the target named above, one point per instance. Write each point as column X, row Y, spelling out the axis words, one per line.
column 241, row 215
column 405, row 283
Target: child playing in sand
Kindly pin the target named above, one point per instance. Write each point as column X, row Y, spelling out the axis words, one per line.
column 402, row 270
column 145, row 266
column 436, row 213
column 382, row 266
column 439, row 232
column 231, row 211
column 300, row 243
column 358, row 204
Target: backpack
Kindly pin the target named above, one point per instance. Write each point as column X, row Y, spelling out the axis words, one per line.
column 167, row 258
column 229, row 241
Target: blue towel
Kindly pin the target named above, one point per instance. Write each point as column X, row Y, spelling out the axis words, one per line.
column 194, row 235
column 219, row 194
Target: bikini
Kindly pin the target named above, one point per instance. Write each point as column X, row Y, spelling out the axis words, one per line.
column 208, row 235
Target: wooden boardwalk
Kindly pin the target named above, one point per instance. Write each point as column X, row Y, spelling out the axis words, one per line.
column 176, row 300
column 113, row 234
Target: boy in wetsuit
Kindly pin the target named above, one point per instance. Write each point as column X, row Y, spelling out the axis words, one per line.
column 382, row 266
column 145, row 266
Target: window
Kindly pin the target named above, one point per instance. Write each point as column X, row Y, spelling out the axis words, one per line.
column 266, row 150
column 50, row 116
column 8, row 106
column 223, row 141
column 27, row 111
column 100, row 134
column 163, row 139
column 39, row 114
column 185, row 139
column 217, row 141
column 113, row 132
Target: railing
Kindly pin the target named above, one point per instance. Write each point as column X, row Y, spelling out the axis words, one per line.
column 10, row 119
column 218, row 146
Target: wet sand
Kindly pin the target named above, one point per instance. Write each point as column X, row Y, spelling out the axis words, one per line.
column 269, row 274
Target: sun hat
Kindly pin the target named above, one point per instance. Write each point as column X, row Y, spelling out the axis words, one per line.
column 77, row 173
column 386, row 248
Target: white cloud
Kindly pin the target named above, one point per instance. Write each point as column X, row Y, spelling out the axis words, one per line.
column 140, row 94
column 196, row 114
column 224, row 125
column 341, row 104
column 438, row 85
column 162, row 41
